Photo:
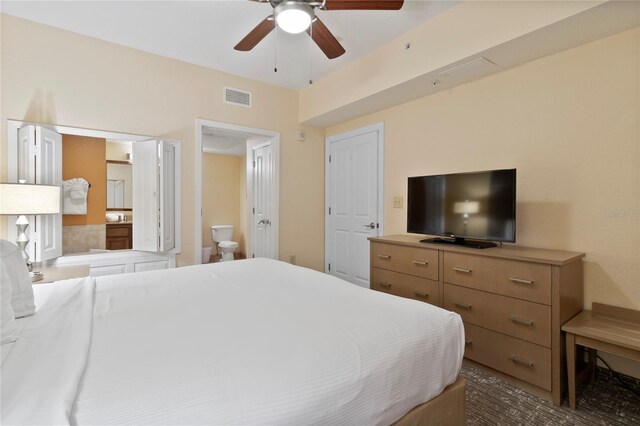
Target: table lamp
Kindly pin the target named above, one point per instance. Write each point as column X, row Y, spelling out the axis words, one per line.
column 465, row 208
column 27, row 199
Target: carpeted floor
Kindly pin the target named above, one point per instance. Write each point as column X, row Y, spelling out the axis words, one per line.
column 491, row 401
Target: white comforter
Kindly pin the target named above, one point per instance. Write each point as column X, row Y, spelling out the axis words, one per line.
column 244, row 342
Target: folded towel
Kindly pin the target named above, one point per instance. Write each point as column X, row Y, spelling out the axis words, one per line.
column 75, row 196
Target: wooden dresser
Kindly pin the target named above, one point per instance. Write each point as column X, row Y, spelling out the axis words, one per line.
column 512, row 300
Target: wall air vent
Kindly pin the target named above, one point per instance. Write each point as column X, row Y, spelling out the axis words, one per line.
column 469, row 69
column 236, row 97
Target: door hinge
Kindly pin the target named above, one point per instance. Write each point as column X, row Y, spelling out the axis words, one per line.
column 329, row 267
column 329, row 158
column 329, row 210
column 377, row 226
column 254, row 164
column 254, row 210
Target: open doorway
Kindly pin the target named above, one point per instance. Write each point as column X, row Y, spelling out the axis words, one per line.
column 82, row 158
column 237, row 192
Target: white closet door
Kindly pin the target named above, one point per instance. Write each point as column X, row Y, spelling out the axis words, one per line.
column 353, row 197
column 40, row 162
column 118, row 194
column 146, row 182
column 111, row 194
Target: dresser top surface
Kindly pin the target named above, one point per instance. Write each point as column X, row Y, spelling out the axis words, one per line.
column 553, row 257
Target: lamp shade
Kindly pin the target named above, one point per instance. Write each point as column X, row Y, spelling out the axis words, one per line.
column 466, row 207
column 27, row 198
column 293, row 17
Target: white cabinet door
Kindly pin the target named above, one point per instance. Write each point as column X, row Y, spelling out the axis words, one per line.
column 146, row 181
column 167, row 163
column 154, row 195
column 40, row 162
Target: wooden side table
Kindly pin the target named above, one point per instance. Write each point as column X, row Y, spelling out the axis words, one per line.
column 56, row 273
column 607, row 328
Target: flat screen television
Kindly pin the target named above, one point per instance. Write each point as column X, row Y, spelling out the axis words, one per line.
column 464, row 207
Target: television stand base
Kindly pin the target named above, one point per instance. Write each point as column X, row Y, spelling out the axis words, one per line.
column 460, row 242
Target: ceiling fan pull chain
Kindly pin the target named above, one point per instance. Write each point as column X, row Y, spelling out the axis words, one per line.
column 275, row 59
column 310, row 51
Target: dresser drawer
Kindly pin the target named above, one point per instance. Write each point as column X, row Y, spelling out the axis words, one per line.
column 405, row 285
column 523, row 280
column 518, row 318
column 523, row 360
column 407, row 260
column 466, row 270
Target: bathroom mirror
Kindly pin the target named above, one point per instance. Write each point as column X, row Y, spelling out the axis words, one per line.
column 119, row 191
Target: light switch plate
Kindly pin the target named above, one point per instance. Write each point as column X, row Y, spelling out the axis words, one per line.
column 398, row 202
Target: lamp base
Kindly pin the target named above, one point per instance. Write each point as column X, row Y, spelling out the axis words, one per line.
column 23, row 239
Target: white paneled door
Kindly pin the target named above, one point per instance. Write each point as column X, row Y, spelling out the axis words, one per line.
column 353, row 193
column 154, row 176
column 40, row 162
column 264, row 238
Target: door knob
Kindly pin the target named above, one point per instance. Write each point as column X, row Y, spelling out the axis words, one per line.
column 264, row 222
column 370, row 226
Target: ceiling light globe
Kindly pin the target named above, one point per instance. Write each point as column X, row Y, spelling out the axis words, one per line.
column 293, row 17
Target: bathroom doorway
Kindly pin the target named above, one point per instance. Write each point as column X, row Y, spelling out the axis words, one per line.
column 237, row 175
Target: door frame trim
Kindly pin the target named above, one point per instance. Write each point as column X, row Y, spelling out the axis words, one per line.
column 377, row 127
column 275, row 195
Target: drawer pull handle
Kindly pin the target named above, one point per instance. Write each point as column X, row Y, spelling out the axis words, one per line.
column 468, row 342
column 384, row 256
column 462, row 305
column 521, row 281
column 417, row 262
column 421, row 293
column 385, row 285
column 521, row 321
column 521, row 361
column 466, row 271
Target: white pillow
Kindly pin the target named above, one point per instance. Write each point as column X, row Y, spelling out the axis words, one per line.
column 8, row 327
column 18, row 274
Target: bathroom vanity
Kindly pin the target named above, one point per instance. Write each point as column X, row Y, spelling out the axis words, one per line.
column 119, row 236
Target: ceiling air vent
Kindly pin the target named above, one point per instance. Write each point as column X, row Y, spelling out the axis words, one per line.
column 470, row 69
column 236, row 97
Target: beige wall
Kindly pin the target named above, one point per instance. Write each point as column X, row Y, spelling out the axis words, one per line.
column 244, row 220
column 221, row 194
column 89, row 83
column 570, row 124
column 118, row 151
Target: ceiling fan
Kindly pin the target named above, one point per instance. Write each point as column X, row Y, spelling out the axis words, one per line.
column 296, row 16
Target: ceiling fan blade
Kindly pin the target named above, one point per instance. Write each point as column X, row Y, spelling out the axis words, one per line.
column 363, row 4
column 325, row 40
column 256, row 35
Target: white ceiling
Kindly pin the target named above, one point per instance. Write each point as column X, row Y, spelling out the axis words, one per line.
column 204, row 32
column 225, row 142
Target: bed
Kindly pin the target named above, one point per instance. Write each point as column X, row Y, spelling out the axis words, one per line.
column 246, row 342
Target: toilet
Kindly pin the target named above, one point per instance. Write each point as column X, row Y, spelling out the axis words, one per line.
column 221, row 235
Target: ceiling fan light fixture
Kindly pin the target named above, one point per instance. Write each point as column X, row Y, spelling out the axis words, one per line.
column 293, row 17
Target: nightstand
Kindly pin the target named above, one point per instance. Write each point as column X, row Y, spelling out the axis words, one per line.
column 56, row 273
